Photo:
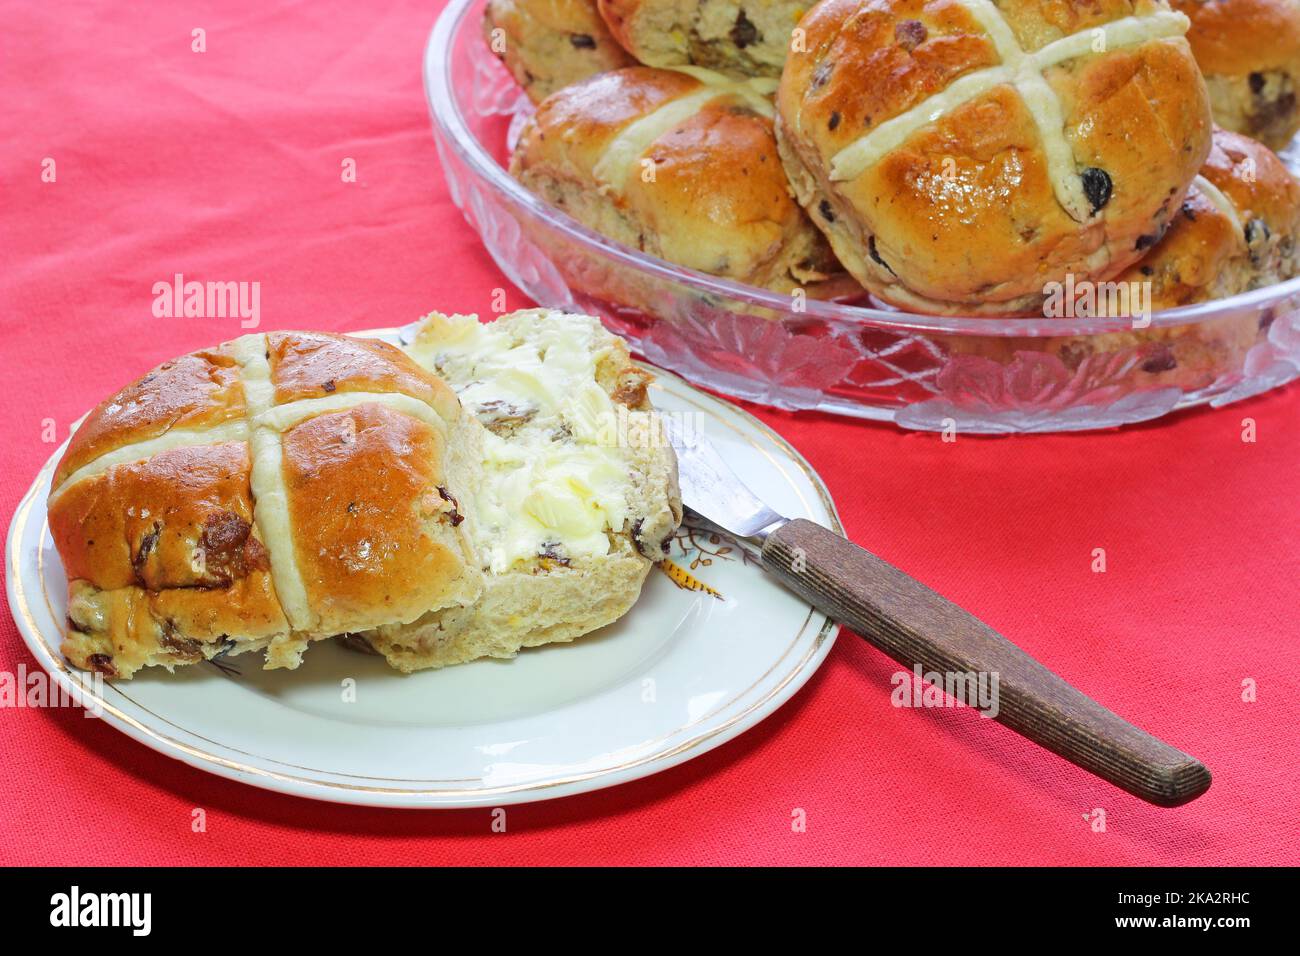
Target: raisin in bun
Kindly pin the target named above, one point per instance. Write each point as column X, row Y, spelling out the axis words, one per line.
column 961, row 154
column 548, row 44
column 578, row 491
column 1249, row 53
column 1235, row 231
column 740, row 38
column 256, row 496
column 681, row 164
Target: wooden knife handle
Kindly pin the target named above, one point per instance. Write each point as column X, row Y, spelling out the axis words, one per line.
column 914, row 625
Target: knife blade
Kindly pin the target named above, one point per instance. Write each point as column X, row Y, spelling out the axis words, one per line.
column 918, row 627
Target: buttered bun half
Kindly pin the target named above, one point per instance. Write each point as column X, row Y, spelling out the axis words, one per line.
column 576, row 495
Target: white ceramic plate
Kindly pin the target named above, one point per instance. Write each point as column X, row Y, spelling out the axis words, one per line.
column 682, row 673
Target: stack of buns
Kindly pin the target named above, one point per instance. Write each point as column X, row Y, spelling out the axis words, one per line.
column 957, row 157
column 293, row 486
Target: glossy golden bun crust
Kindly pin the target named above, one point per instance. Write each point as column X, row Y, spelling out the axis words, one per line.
column 705, row 190
column 1267, row 199
column 1201, row 257
column 1235, row 231
column 741, row 38
column 372, row 529
column 317, row 364
column 275, row 490
column 967, row 214
column 1212, row 250
column 1249, row 51
column 195, row 391
column 548, row 44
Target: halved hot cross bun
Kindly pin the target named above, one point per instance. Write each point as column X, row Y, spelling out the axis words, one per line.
column 548, row 44
column 740, row 38
column 274, row 490
column 1249, row 53
column 961, row 154
column 681, row 164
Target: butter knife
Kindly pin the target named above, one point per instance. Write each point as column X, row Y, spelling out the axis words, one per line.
column 916, row 626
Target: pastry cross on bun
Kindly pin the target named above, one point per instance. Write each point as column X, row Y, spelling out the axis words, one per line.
column 548, row 44
column 960, row 154
column 575, row 494
column 737, row 37
column 1249, row 53
column 274, row 490
column 681, row 164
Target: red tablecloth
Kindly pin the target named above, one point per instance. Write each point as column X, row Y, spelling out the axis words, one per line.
column 226, row 165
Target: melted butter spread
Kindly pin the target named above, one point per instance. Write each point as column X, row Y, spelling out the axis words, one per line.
column 555, row 476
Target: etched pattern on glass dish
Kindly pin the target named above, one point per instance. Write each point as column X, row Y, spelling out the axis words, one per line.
column 920, row 371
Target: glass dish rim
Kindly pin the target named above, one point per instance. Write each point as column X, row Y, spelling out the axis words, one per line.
column 456, row 135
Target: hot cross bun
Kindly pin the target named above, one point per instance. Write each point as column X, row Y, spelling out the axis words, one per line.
column 960, row 154
column 681, row 164
column 271, row 491
column 741, row 38
column 1249, row 52
column 548, row 44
